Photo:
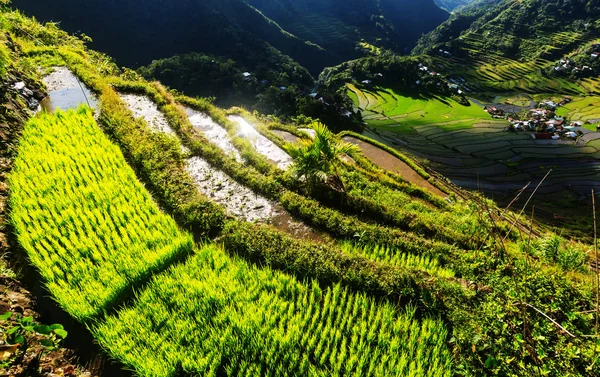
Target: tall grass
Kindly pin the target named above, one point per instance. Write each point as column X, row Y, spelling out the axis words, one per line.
column 220, row 316
column 86, row 222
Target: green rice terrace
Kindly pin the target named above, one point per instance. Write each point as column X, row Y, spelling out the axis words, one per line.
column 484, row 71
column 467, row 146
column 188, row 240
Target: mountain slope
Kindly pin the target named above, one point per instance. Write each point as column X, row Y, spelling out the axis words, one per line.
column 509, row 45
column 451, row 5
column 135, row 33
column 339, row 25
column 516, row 28
column 316, row 34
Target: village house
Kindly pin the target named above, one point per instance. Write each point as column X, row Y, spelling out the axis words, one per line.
column 494, row 111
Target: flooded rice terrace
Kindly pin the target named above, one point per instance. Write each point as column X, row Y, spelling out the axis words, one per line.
column 65, row 92
column 237, row 200
column 262, row 145
column 213, row 132
column 143, row 107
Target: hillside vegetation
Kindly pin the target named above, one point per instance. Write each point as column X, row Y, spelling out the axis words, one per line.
column 512, row 46
column 316, row 34
column 451, row 5
column 398, row 279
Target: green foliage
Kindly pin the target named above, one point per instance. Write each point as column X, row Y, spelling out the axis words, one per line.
column 234, row 315
column 4, row 58
column 260, row 244
column 567, row 255
column 316, row 159
column 19, row 334
column 83, row 218
column 198, row 74
column 396, row 258
column 221, row 314
column 18, row 329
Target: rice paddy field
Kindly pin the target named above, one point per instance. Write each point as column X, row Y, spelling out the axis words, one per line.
column 220, row 315
column 94, row 233
column 475, row 151
column 583, row 109
column 387, row 109
column 86, row 222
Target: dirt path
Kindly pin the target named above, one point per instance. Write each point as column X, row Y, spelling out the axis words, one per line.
column 391, row 163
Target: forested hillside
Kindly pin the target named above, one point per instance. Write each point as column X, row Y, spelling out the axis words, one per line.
column 339, row 26
column 451, row 5
column 515, row 28
column 316, row 34
column 136, row 32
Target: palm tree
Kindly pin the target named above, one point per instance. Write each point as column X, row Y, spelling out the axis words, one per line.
column 316, row 160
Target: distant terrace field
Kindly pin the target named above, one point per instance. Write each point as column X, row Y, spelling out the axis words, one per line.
column 389, row 110
column 489, row 72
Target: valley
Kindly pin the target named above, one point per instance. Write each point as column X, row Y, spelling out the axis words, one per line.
column 279, row 190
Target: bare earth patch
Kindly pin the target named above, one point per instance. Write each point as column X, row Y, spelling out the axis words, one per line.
column 389, row 162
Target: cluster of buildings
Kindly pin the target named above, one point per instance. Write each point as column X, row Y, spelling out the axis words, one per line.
column 586, row 65
column 595, row 51
column 542, row 121
column 568, row 65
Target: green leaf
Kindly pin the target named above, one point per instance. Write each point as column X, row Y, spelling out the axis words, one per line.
column 12, row 330
column 29, row 328
column 61, row 333
column 43, row 329
column 57, row 326
column 491, row 362
column 47, row 343
column 28, row 319
column 5, row 316
column 20, row 339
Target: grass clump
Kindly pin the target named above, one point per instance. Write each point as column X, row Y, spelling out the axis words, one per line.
column 85, row 221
